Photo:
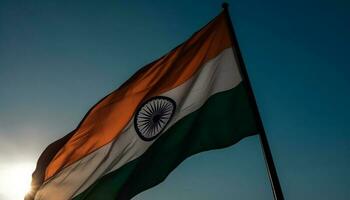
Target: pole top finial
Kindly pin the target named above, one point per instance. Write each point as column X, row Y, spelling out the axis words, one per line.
column 224, row 5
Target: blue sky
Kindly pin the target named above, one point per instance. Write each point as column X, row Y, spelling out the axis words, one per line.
column 58, row 58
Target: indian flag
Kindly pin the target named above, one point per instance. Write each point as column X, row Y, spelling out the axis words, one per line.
column 189, row 101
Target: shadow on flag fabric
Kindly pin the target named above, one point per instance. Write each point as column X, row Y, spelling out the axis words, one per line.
column 189, row 101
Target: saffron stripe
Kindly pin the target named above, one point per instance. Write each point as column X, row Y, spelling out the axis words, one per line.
column 105, row 121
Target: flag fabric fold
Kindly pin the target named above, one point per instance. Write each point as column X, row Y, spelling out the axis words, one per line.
column 191, row 100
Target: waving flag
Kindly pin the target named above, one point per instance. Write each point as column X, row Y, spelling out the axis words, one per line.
column 189, row 101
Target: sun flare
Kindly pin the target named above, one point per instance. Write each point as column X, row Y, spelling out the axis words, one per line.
column 15, row 180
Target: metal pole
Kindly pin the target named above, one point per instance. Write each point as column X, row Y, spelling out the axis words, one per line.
column 275, row 184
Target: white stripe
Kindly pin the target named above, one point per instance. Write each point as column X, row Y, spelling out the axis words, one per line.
column 217, row 75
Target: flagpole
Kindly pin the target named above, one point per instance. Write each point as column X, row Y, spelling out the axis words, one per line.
column 271, row 169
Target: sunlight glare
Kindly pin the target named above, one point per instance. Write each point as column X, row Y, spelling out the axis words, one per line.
column 15, row 180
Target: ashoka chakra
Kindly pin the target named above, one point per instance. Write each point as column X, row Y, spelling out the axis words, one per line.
column 153, row 116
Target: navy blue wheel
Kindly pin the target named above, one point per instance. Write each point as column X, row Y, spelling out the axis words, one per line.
column 153, row 116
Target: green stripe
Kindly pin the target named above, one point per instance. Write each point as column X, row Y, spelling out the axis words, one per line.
column 222, row 121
